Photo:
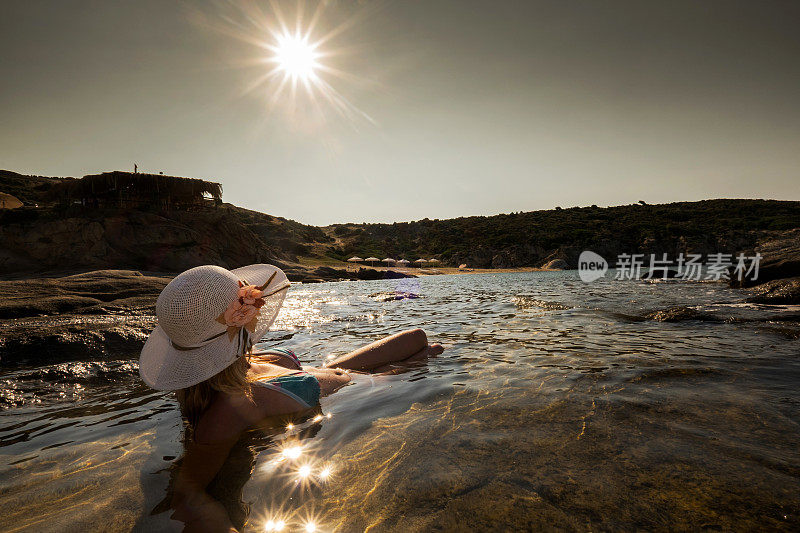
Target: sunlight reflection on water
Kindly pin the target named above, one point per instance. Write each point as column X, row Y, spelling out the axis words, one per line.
column 553, row 402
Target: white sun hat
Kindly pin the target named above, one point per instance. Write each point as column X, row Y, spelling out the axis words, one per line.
column 207, row 318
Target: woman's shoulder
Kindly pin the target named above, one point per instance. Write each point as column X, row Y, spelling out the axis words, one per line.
column 224, row 420
column 229, row 416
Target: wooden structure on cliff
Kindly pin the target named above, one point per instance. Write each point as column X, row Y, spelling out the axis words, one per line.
column 133, row 190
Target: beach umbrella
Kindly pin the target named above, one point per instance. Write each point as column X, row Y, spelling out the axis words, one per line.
column 420, row 261
column 433, row 260
column 388, row 261
column 371, row 260
column 354, row 259
column 403, row 262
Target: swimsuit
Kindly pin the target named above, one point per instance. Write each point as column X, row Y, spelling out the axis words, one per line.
column 299, row 386
column 283, row 352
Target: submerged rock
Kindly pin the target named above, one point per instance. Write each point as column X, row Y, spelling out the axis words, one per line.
column 528, row 302
column 388, row 296
column 679, row 313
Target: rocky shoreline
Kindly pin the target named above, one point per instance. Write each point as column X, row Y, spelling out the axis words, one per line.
column 102, row 314
column 94, row 315
column 325, row 273
column 107, row 314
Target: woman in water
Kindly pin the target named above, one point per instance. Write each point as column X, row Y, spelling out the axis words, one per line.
column 208, row 320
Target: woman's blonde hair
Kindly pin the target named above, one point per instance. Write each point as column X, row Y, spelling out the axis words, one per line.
column 196, row 399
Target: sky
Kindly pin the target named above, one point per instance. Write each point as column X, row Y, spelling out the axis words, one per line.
column 440, row 108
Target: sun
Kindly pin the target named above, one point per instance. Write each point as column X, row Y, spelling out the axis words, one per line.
column 296, row 57
column 300, row 59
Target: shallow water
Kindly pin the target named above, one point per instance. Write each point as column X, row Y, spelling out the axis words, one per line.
column 556, row 406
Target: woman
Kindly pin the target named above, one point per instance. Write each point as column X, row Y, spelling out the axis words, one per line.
column 208, row 320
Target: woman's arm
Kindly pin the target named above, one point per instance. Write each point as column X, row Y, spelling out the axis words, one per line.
column 390, row 349
column 193, row 506
column 205, row 454
column 215, row 435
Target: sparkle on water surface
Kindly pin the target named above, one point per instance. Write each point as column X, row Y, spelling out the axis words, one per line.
column 553, row 395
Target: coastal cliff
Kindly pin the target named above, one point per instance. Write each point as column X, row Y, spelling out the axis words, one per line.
column 46, row 237
column 76, row 238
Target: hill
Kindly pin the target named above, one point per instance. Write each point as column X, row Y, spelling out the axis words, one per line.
column 55, row 237
column 30, row 190
column 534, row 238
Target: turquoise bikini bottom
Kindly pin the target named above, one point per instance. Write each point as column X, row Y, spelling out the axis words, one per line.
column 300, row 386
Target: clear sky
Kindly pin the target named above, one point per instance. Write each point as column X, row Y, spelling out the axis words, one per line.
column 455, row 107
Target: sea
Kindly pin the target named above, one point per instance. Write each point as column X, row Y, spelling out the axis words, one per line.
column 557, row 405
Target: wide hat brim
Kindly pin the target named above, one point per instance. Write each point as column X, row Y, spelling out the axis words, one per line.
column 164, row 367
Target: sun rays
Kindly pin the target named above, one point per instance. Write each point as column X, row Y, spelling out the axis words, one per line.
column 294, row 58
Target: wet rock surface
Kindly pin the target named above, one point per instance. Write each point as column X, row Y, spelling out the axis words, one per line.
column 90, row 293
column 372, row 274
column 780, row 259
column 93, row 315
column 72, row 337
column 556, row 264
column 657, row 273
column 325, row 273
column 777, row 292
column 387, row 296
column 783, row 320
column 679, row 313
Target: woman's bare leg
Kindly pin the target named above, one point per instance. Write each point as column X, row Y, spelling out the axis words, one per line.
column 401, row 366
column 391, row 349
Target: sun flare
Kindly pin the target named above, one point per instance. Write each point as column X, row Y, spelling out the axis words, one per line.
column 302, row 58
column 296, row 57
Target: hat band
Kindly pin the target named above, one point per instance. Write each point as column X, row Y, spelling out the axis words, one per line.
column 243, row 338
column 204, row 343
